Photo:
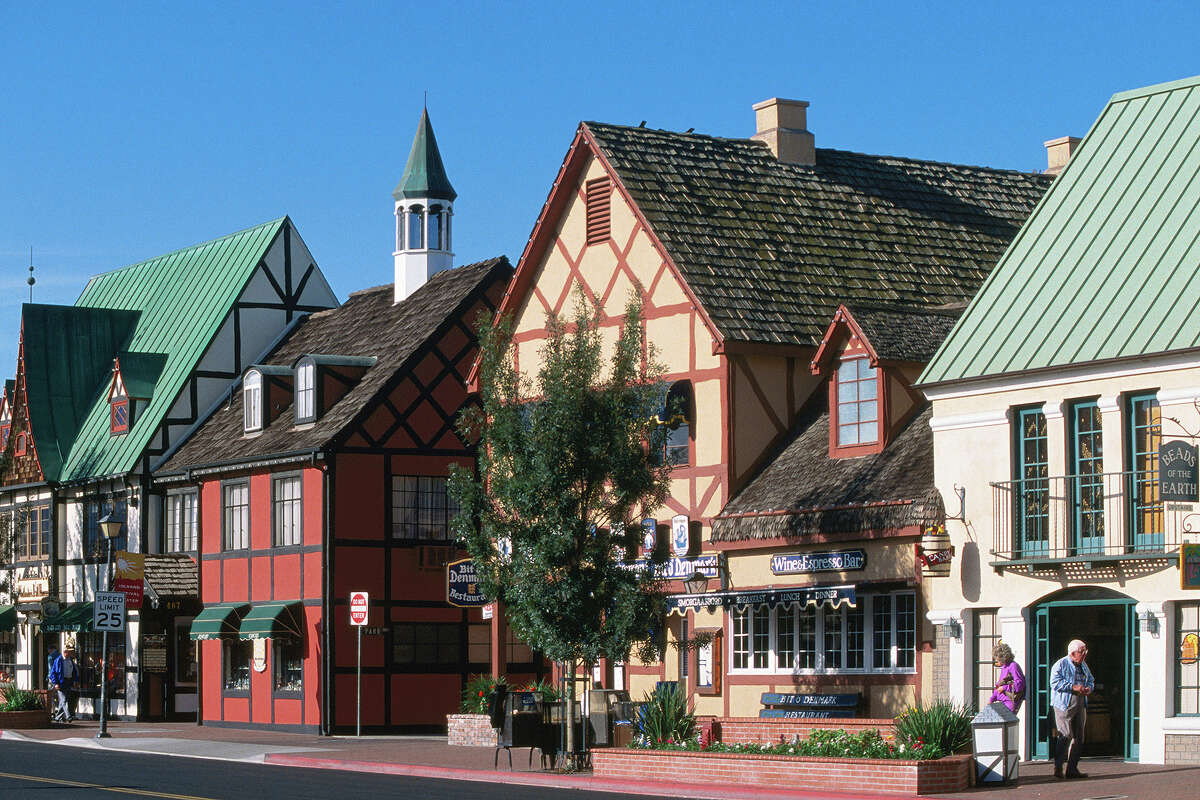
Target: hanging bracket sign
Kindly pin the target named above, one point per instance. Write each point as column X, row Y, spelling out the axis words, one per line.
column 1179, row 477
column 462, row 585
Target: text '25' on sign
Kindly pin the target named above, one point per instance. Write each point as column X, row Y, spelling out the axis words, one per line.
column 108, row 612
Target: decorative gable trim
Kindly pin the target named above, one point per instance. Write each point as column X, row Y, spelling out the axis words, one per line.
column 829, row 350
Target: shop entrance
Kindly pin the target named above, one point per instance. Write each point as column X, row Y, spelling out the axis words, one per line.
column 1107, row 621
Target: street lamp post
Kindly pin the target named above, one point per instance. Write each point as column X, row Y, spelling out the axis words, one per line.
column 110, row 526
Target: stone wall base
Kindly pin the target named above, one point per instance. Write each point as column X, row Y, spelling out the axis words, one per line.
column 470, row 730
column 1182, row 748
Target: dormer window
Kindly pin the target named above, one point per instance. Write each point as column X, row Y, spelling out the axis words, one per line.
column 20, row 448
column 252, row 401
column 857, row 403
column 119, row 416
column 306, row 391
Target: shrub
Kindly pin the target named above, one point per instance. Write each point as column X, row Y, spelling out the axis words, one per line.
column 822, row 743
column 940, row 724
column 547, row 689
column 14, row 699
column 475, row 696
column 664, row 718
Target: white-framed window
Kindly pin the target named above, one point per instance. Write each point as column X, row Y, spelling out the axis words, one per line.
column 182, row 528
column 306, row 391
column 235, row 516
column 252, row 401
column 286, row 510
column 857, row 403
column 878, row 635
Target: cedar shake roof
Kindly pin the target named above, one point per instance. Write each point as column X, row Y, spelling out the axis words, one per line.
column 172, row 575
column 368, row 324
column 770, row 249
column 904, row 333
column 803, row 492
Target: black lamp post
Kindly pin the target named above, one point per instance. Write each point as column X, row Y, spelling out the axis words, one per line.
column 110, row 526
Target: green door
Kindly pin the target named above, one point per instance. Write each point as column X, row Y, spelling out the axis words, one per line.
column 1133, row 686
column 1039, row 682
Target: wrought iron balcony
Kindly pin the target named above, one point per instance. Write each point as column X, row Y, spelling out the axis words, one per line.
column 1082, row 521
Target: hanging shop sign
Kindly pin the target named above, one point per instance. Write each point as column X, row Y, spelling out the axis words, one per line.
column 1178, row 475
column 680, row 538
column 832, row 561
column 1189, row 565
column 462, row 585
column 934, row 551
column 803, row 596
column 130, row 577
column 649, row 536
column 259, row 659
column 677, row 569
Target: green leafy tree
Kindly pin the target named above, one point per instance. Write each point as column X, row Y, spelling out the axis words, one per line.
column 563, row 471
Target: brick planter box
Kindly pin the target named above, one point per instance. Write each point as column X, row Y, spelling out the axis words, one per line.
column 470, row 730
column 754, row 730
column 795, row 772
column 24, row 720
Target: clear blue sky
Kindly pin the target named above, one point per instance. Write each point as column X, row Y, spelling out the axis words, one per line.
column 126, row 134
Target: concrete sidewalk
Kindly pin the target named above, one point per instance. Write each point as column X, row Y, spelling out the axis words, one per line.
column 431, row 757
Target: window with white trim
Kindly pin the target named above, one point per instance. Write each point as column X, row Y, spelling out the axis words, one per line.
column 252, row 401
column 878, row 635
column 181, row 522
column 306, row 391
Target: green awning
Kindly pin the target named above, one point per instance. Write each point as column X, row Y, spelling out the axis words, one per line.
column 272, row 621
column 75, row 617
column 8, row 618
column 218, row 620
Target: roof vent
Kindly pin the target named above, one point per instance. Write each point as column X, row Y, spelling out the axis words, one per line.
column 782, row 124
column 1059, row 152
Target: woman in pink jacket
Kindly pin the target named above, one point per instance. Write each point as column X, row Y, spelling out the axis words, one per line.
column 1010, row 683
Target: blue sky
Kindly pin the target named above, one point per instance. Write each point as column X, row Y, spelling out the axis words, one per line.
column 128, row 133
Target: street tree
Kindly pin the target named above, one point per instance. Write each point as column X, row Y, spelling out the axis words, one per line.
column 564, row 468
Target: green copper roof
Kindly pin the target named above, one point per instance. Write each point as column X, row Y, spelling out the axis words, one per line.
column 1105, row 267
column 140, row 371
column 178, row 301
column 424, row 174
column 68, row 355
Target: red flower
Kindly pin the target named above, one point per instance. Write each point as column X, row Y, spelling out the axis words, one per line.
column 481, row 692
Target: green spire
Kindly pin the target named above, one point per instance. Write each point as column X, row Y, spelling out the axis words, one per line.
column 424, row 174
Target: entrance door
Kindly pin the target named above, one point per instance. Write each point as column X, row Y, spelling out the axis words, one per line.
column 1108, row 623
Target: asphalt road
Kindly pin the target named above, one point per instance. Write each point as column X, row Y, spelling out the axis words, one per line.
column 50, row 772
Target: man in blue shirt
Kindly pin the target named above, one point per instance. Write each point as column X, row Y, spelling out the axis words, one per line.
column 1070, row 684
column 64, row 676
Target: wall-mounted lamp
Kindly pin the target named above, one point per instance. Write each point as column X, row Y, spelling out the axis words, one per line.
column 696, row 584
column 951, row 629
column 1148, row 623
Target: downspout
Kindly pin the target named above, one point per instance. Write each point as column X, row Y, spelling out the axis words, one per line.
column 326, row 596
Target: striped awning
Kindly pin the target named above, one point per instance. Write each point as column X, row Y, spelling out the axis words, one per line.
column 271, row 621
column 803, row 596
column 218, row 620
column 8, row 618
column 74, row 617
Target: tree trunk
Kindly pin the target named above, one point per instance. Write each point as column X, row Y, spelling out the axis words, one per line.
column 573, row 666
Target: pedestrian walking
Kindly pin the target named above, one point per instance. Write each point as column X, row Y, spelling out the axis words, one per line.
column 64, row 677
column 1070, row 684
column 1010, row 684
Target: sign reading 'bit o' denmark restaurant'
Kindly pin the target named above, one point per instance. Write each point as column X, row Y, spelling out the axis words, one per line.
column 1177, row 473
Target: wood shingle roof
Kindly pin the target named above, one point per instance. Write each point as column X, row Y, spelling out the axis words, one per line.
column 770, row 249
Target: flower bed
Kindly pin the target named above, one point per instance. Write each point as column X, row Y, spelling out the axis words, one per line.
column 847, row 774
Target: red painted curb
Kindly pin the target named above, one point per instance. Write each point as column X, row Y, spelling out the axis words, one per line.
column 661, row 788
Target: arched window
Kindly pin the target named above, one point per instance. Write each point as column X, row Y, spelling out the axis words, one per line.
column 673, row 443
column 435, row 228
column 252, row 401
column 416, row 228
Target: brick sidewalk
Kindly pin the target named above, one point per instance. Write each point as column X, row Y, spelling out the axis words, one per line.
column 430, row 756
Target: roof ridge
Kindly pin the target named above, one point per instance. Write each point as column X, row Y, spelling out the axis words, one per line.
column 1156, row 88
column 268, row 223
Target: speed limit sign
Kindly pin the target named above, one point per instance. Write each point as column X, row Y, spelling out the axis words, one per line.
column 108, row 612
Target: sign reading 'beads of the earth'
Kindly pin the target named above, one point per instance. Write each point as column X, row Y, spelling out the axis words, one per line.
column 835, row 561
column 1177, row 473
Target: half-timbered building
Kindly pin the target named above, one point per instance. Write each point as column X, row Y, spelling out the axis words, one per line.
column 324, row 473
column 741, row 251
column 104, row 390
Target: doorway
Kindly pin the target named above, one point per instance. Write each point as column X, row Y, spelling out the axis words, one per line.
column 1107, row 621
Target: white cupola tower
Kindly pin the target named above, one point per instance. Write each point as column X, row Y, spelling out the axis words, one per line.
column 424, row 206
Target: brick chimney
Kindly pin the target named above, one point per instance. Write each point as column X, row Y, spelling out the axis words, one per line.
column 782, row 124
column 1059, row 152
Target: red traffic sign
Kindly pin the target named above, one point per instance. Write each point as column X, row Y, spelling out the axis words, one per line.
column 358, row 608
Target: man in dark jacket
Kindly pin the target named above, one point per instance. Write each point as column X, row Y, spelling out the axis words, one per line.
column 64, row 677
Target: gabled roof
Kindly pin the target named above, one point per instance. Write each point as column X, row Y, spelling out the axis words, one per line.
column 179, row 301
column 68, row 359
column 1106, row 267
column 889, row 333
column 769, row 249
column 140, row 371
column 369, row 324
column 424, row 174
column 803, row 492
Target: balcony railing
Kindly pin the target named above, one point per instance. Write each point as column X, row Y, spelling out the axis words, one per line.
column 1094, row 517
